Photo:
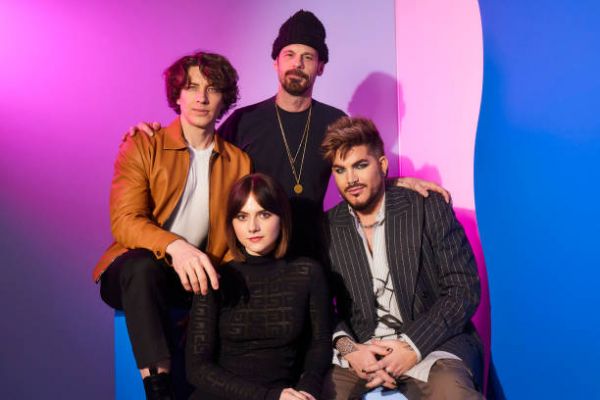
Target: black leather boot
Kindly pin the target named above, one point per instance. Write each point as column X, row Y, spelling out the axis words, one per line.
column 158, row 386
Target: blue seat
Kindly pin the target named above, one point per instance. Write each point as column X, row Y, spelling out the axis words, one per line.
column 128, row 382
column 378, row 394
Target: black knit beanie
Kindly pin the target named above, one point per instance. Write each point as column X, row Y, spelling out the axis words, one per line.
column 302, row 28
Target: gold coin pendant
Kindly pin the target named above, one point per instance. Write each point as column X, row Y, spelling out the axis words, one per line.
column 298, row 188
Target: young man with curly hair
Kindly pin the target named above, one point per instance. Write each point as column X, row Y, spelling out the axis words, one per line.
column 165, row 202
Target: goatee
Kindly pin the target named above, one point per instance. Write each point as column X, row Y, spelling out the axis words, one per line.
column 368, row 205
column 295, row 82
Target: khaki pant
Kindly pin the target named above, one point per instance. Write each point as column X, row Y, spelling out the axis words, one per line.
column 448, row 380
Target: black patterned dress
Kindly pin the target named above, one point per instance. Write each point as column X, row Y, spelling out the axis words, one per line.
column 265, row 329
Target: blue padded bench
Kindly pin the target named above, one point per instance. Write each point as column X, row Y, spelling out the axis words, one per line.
column 377, row 394
column 128, row 382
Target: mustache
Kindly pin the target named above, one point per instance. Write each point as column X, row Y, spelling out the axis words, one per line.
column 296, row 72
column 354, row 185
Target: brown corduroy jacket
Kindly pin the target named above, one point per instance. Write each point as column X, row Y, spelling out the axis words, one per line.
column 149, row 179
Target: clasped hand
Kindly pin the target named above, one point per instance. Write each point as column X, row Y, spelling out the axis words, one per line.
column 381, row 361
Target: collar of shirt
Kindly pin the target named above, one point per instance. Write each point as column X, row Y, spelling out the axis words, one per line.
column 379, row 218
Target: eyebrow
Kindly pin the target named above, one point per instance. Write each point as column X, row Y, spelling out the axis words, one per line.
column 334, row 165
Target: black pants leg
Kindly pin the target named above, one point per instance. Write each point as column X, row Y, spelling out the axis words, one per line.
column 145, row 289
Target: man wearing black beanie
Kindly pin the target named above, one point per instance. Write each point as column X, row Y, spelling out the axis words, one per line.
column 282, row 134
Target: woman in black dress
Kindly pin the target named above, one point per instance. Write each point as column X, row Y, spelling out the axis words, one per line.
column 265, row 334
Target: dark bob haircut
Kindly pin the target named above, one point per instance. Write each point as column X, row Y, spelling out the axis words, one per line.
column 271, row 197
column 217, row 70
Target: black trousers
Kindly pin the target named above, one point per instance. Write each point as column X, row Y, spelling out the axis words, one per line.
column 145, row 289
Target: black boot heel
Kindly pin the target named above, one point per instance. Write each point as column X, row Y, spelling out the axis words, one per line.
column 158, row 386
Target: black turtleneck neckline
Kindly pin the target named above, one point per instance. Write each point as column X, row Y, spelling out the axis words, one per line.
column 266, row 259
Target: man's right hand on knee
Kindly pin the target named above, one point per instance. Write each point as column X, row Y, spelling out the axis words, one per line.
column 193, row 267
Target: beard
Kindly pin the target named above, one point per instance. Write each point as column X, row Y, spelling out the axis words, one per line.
column 369, row 203
column 295, row 82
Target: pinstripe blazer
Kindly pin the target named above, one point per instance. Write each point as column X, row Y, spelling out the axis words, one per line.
column 432, row 268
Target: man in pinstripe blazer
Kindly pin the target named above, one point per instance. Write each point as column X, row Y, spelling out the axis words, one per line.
column 404, row 277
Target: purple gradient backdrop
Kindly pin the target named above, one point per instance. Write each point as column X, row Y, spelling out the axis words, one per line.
column 73, row 77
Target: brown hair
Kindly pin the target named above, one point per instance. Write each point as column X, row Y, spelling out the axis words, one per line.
column 348, row 132
column 269, row 194
column 217, row 70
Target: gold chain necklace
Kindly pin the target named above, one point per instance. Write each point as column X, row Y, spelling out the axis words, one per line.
column 303, row 144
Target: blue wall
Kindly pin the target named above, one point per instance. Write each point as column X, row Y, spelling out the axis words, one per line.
column 537, row 187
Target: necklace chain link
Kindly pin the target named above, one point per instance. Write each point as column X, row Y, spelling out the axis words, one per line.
column 303, row 144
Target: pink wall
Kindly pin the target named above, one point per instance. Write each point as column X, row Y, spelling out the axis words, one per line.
column 440, row 73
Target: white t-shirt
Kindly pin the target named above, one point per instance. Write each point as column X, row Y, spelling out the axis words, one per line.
column 191, row 216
